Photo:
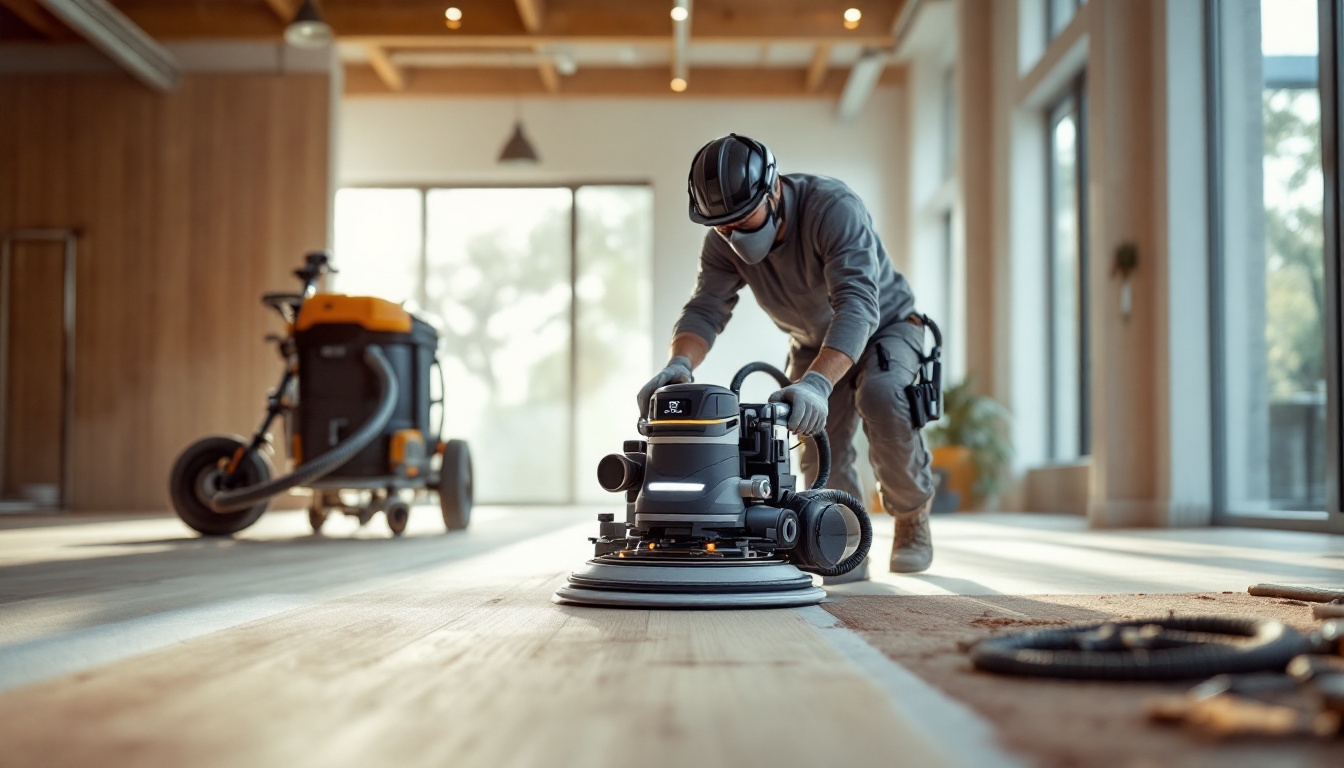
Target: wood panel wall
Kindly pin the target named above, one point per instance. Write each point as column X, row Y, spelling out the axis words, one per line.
column 190, row 206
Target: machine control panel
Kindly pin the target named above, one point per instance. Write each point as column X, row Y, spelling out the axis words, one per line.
column 674, row 408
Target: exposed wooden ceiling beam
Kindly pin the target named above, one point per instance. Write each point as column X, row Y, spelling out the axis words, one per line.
column 389, row 73
column 816, row 70
column 531, row 12
column 284, row 9
column 867, row 71
column 361, row 80
column 550, row 79
column 37, row 17
column 523, row 42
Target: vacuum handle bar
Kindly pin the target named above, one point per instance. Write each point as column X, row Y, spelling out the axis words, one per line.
column 819, row 440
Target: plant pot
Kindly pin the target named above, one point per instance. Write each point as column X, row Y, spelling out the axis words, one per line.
column 955, row 461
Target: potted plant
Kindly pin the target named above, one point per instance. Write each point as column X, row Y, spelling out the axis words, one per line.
column 970, row 444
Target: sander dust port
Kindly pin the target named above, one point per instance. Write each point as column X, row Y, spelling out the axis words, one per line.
column 712, row 518
column 355, row 398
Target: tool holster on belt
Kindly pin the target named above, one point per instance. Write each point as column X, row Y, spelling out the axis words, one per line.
column 925, row 395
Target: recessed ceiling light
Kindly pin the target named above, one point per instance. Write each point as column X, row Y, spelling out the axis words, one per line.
column 678, row 84
column 852, row 17
column 679, row 13
column 455, row 14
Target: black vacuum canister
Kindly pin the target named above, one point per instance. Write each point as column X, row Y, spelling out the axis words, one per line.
column 338, row 392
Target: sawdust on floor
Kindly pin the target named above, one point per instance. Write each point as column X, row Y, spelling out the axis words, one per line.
column 1065, row 724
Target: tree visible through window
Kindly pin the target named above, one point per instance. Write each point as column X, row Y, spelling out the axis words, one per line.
column 542, row 297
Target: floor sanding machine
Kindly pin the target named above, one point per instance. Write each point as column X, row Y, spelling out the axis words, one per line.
column 712, row 518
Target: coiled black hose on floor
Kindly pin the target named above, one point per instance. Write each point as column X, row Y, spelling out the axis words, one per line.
column 388, row 392
column 1171, row 648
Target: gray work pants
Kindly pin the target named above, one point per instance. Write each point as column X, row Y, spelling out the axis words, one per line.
column 896, row 450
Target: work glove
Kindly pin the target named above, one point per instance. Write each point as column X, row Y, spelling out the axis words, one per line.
column 678, row 371
column 809, row 401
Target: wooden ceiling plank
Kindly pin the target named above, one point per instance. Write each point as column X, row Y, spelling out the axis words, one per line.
column 37, row 17
column 388, row 72
column 614, row 22
column 532, row 12
column 816, row 70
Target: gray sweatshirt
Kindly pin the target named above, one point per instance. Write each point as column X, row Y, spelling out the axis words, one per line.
column 828, row 283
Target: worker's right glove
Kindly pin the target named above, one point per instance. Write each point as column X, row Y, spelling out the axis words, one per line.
column 678, row 371
column 809, row 403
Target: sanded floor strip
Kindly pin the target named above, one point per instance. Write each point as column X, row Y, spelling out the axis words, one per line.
column 961, row 735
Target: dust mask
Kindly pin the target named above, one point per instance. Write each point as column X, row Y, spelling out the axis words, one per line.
column 752, row 247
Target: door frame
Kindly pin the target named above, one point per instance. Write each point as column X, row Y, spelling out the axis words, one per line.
column 69, row 238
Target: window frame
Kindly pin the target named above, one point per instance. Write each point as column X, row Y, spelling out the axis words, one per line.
column 421, row 297
column 1076, row 92
column 1050, row 32
column 1330, row 16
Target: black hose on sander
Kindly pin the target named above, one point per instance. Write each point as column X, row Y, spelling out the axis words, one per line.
column 818, row 491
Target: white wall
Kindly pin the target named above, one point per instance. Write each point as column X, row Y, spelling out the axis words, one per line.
column 456, row 141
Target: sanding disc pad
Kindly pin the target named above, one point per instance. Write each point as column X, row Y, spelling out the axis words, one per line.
column 619, row 583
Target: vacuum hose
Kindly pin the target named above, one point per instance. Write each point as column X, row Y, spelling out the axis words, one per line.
column 818, row 491
column 828, row 496
column 1168, row 648
column 242, row 498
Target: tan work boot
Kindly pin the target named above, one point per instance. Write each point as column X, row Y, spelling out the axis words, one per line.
column 912, row 551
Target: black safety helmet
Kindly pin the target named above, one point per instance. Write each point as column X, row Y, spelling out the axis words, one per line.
column 730, row 176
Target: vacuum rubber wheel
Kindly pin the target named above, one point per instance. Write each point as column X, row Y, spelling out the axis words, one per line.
column 199, row 469
column 455, row 491
column 398, row 514
column 320, row 508
column 317, row 517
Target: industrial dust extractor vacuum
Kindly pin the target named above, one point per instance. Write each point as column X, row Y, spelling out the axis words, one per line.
column 355, row 399
column 712, row 518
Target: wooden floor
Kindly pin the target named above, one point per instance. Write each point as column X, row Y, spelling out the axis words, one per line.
column 127, row 641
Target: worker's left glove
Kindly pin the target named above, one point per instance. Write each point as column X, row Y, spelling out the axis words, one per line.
column 808, row 400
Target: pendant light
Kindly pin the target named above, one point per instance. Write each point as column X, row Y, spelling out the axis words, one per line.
column 309, row 30
column 518, row 150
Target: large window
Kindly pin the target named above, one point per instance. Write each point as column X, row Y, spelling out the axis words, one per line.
column 1066, row 277
column 542, row 296
column 1269, row 263
column 1058, row 14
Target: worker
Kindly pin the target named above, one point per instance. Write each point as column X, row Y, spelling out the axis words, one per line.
column 805, row 245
